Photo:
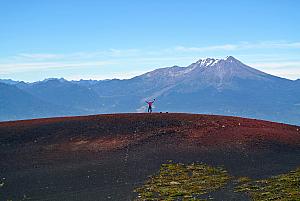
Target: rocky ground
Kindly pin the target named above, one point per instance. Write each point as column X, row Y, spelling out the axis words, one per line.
column 105, row 157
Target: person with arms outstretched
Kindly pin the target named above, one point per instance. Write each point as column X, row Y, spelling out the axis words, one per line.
column 150, row 105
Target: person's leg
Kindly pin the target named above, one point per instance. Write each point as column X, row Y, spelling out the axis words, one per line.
column 148, row 109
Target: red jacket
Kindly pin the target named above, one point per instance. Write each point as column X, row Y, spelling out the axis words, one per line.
column 150, row 103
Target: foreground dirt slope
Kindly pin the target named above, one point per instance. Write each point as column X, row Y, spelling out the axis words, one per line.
column 103, row 157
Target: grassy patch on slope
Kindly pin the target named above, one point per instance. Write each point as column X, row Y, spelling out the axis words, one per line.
column 182, row 182
column 285, row 187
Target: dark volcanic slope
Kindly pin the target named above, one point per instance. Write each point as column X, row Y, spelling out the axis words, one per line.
column 104, row 157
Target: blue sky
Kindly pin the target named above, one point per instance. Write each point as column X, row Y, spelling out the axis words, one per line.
column 94, row 39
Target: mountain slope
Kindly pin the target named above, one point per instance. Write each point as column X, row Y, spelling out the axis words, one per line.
column 17, row 104
column 64, row 93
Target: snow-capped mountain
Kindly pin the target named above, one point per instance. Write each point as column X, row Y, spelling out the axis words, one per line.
column 219, row 86
column 217, row 73
column 224, row 69
column 209, row 69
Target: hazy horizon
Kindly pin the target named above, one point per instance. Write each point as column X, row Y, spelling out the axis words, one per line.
column 126, row 78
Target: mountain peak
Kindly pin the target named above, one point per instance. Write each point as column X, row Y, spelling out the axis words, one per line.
column 61, row 80
column 229, row 58
column 207, row 62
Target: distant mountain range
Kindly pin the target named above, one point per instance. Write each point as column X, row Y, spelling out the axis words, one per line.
column 214, row 86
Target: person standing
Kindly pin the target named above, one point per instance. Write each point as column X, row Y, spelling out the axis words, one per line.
column 150, row 103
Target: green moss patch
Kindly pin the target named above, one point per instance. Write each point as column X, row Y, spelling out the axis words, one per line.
column 182, row 182
column 285, row 187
